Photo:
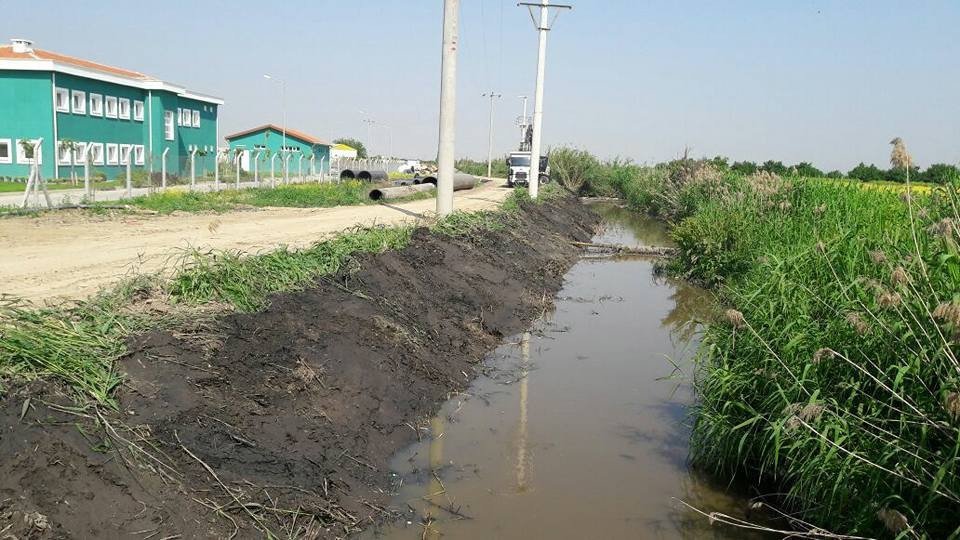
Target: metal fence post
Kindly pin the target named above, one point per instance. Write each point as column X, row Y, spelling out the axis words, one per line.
column 163, row 168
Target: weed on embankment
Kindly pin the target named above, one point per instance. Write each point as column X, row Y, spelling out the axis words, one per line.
column 834, row 375
column 296, row 195
column 79, row 344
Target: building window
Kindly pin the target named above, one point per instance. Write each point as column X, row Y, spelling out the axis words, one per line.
column 6, row 151
column 96, row 153
column 62, row 100
column 111, row 105
column 113, row 154
column 196, row 118
column 179, row 117
column 78, row 153
column 25, row 151
column 125, row 150
column 138, row 154
column 138, row 111
column 124, row 109
column 168, row 130
column 79, row 102
column 96, row 105
column 63, row 154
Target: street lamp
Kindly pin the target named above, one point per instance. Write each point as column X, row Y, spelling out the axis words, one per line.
column 283, row 107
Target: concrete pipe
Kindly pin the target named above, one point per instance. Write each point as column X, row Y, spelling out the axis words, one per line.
column 460, row 181
column 373, row 176
column 348, row 174
column 388, row 193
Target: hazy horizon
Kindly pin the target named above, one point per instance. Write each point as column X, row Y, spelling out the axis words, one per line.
column 828, row 82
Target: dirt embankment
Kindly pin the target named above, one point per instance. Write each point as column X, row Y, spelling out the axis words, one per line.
column 288, row 421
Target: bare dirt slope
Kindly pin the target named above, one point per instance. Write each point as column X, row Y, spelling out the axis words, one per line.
column 71, row 255
column 286, row 427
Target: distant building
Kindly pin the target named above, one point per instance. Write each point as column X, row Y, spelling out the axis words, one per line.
column 267, row 141
column 342, row 151
column 119, row 114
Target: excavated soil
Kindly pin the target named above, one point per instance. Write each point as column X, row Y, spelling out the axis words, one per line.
column 287, row 423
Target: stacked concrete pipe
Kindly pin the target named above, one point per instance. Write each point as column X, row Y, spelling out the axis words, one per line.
column 388, row 193
column 373, row 176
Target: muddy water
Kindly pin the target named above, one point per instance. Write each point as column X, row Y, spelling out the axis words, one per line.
column 580, row 427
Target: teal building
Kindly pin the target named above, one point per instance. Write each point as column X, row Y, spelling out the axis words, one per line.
column 264, row 142
column 111, row 115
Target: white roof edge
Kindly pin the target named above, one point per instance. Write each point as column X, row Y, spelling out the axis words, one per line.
column 145, row 84
column 201, row 97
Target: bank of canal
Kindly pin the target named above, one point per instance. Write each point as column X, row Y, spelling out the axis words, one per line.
column 580, row 427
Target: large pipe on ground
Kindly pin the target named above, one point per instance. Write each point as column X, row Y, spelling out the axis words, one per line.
column 373, row 176
column 460, row 181
column 347, row 174
column 399, row 191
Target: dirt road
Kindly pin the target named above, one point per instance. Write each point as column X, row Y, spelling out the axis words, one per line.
column 71, row 255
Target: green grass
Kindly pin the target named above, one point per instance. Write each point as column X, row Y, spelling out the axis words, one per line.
column 14, row 187
column 835, row 375
column 297, row 195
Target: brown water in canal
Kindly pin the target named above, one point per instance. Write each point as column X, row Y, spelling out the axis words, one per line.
column 580, row 428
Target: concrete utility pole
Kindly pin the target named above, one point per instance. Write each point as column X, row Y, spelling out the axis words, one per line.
column 543, row 26
column 448, row 107
column 491, row 95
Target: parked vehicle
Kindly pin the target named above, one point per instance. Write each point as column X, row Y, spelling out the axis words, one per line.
column 518, row 169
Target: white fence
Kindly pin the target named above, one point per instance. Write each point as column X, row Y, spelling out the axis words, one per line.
column 230, row 171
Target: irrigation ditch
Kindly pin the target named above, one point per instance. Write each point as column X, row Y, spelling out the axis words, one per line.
column 280, row 422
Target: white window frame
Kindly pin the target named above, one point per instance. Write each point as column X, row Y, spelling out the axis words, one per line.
column 78, row 102
column 96, row 153
column 106, row 106
column 179, row 116
column 64, row 153
column 126, row 150
column 196, row 119
column 169, row 129
column 9, row 144
column 123, row 109
column 116, row 154
column 139, row 154
column 98, row 109
column 78, row 153
column 138, row 110
column 22, row 159
column 62, row 94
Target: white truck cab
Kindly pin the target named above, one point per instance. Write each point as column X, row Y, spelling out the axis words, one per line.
column 518, row 169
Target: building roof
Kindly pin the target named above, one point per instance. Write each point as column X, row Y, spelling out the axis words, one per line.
column 347, row 147
column 290, row 133
column 8, row 53
column 32, row 59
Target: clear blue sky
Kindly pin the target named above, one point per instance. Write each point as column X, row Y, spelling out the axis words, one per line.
column 829, row 81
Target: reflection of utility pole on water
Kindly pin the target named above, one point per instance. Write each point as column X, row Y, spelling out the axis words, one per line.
column 434, row 487
column 522, row 426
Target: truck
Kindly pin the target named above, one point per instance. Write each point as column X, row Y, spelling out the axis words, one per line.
column 518, row 169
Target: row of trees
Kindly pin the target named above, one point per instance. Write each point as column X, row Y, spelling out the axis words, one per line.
column 938, row 173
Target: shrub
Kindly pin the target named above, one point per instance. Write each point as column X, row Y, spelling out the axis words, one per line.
column 866, row 173
column 941, row 173
column 745, row 168
column 572, row 167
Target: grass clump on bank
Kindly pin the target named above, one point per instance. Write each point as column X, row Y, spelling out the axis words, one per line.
column 835, row 374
